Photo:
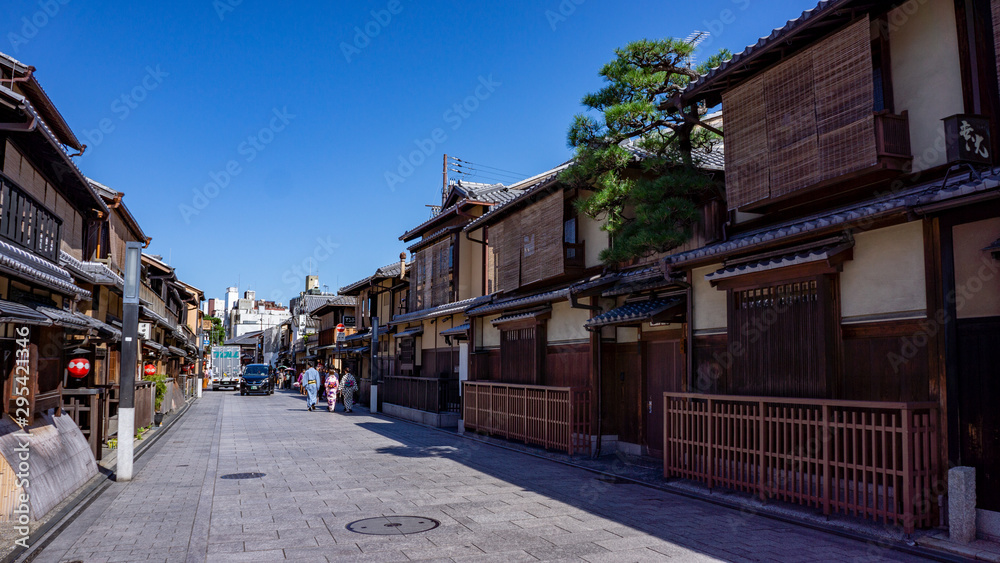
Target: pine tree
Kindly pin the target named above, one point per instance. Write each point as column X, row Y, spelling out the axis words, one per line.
column 649, row 208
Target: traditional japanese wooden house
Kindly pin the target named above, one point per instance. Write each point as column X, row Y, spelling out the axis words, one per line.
column 378, row 296
column 338, row 310
column 45, row 204
column 448, row 277
column 530, row 353
column 838, row 343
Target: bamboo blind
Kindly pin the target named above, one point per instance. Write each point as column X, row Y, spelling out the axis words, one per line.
column 433, row 275
column 995, row 9
column 806, row 120
column 508, row 248
column 528, row 246
column 543, row 224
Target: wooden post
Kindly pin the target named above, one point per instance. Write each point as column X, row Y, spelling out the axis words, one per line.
column 710, row 440
column 826, row 460
column 762, row 451
column 907, row 472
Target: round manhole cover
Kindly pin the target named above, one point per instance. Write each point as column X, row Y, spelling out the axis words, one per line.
column 393, row 525
column 243, row 476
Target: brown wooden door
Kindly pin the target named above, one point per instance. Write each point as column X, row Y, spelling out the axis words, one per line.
column 664, row 371
column 978, row 416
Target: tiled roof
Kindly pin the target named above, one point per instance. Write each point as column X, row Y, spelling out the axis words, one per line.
column 29, row 266
column 517, row 302
column 777, row 37
column 177, row 351
column 713, row 159
column 154, row 345
column 441, row 310
column 486, row 193
column 63, row 318
column 19, row 313
column 54, row 152
column 105, row 329
column 958, row 186
column 434, row 237
column 635, row 312
column 792, row 259
column 96, row 273
column 388, row 271
column 490, row 194
column 638, row 279
column 520, row 316
column 153, row 315
column 456, row 331
column 415, row 331
column 336, row 301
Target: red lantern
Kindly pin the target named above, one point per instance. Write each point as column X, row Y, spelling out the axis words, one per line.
column 79, row 367
column 150, row 369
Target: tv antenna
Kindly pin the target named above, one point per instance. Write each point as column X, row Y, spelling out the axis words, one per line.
column 695, row 39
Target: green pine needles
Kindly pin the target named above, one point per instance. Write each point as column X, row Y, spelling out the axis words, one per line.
column 648, row 203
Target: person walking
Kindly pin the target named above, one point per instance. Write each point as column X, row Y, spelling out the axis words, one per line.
column 302, row 387
column 311, row 381
column 347, row 387
column 332, row 383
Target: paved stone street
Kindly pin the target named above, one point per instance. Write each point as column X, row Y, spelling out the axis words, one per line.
column 324, row 471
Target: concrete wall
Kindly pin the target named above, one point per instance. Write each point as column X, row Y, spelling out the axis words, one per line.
column 710, row 312
column 923, row 44
column 886, row 276
column 566, row 324
column 976, row 272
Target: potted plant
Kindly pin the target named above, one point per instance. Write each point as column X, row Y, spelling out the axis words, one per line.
column 160, row 380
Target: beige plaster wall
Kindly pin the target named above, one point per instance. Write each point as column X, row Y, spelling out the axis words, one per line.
column 977, row 274
column 710, row 312
column 923, row 46
column 566, row 324
column 886, row 275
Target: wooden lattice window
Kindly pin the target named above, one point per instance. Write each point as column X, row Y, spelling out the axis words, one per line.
column 780, row 338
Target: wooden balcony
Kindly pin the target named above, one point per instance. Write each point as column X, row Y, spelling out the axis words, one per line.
column 428, row 394
column 26, row 222
column 892, row 136
column 876, row 460
column 555, row 418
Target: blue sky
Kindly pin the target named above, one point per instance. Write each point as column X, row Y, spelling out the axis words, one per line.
column 252, row 140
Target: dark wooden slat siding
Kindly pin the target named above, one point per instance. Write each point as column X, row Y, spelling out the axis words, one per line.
column 882, row 361
column 568, row 365
column 979, row 417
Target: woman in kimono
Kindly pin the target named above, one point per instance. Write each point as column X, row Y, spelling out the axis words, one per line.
column 331, row 390
column 347, row 387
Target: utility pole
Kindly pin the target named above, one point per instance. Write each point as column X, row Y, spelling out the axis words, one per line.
column 373, row 399
column 130, row 348
column 444, row 181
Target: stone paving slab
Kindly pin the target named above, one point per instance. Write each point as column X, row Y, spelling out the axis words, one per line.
column 325, row 470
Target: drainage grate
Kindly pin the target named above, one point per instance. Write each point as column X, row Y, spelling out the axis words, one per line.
column 243, row 476
column 393, row 525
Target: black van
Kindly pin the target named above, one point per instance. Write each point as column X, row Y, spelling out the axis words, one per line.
column 256, row 379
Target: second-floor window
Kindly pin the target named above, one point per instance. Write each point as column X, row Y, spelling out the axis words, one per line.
column 27, row 223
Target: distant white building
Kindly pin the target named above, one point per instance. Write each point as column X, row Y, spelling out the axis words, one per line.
column 250, row 315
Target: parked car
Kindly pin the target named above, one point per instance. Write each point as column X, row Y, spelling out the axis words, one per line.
column 256, row 379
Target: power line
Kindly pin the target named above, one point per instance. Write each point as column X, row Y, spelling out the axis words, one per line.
column 511, row 172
